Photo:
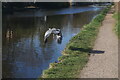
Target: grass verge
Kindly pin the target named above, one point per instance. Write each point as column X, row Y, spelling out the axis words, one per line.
column 117, row 26
column 75, row 55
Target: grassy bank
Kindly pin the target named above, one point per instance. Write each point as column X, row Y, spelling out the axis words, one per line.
column 117, row 26
column 76, row 54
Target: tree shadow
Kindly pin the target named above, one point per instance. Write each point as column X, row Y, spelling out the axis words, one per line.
column 88, row 50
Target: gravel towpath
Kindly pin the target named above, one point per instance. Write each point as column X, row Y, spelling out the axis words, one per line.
column 104, row 63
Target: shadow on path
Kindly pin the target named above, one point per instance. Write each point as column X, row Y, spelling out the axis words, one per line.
column 88, row 50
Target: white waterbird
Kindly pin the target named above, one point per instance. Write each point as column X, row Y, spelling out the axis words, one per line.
column 55, row 32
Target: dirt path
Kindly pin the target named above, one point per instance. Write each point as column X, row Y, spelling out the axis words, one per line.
column 104, row 65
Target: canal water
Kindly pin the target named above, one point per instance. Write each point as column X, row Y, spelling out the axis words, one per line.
column 24, row 53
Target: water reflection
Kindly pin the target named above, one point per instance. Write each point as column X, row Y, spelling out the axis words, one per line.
column 24, row 53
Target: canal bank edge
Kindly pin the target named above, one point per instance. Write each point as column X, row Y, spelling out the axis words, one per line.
column 117, row 18
column 76, row 54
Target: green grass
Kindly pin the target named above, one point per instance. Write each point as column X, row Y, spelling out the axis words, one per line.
column 75, row 55
column 117, row 26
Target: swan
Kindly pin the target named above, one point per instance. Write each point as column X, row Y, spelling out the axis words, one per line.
column 53, row 31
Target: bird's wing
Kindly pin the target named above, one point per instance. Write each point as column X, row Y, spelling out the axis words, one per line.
column 55, row 32
column 47, row 33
